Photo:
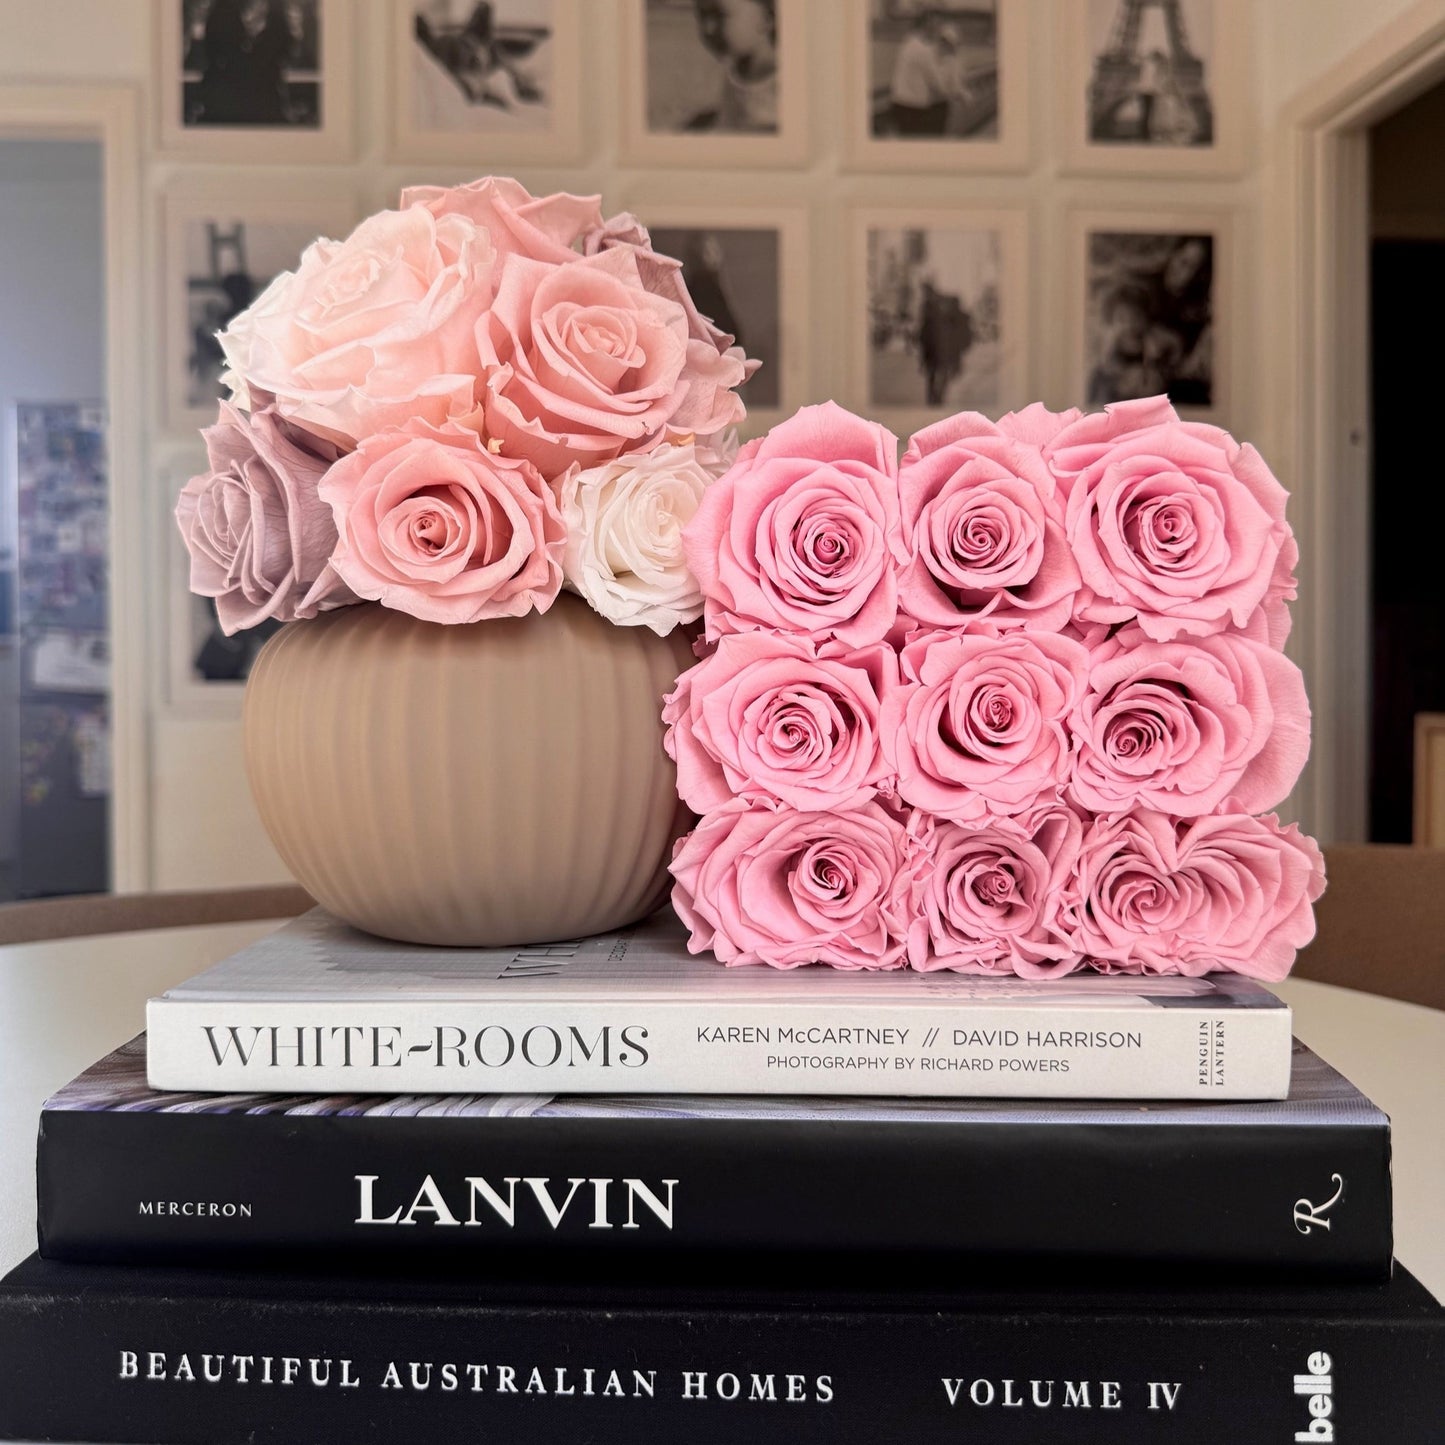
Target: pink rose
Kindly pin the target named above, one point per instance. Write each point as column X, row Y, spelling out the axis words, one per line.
column 991, row 894
column 798, row 535
column 662, row 275
column 373, row 331
column 1157, row 895
column 763, row 717
column 433, row 524
column 260, row 538
column 983, row 528
column 1089, row 436
column 1189, row 727
column 543, row 228
column 1174, row 523
column 765, row 884
column 979, row 723
column 586, row 363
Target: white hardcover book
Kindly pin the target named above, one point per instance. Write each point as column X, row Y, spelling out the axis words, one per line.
column 318, row 1007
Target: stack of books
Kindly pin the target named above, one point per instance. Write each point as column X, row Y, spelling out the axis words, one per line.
column 347, row 1189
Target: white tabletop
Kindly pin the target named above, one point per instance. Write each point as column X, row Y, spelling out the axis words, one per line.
column 65, row 1003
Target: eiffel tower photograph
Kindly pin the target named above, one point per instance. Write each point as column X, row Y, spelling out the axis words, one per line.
column 1150, row 79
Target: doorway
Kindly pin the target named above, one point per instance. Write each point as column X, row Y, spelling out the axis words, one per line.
column 1407, row 581
column 55, row 704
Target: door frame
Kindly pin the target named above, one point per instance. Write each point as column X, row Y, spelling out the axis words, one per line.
column 111, row 115
column 1317, row 382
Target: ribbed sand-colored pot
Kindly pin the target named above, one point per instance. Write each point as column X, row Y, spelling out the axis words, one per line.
column 485, row 785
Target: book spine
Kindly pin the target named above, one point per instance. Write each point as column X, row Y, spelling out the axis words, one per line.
column 1176, row 1052
column 472, row 1192
column 191, row 1366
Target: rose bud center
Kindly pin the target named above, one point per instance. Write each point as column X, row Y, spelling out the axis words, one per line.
column 995, row 888
column 826, row 544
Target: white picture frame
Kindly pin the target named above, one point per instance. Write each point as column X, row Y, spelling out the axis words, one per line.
column 557, row 142
column 790, row 322
column 645, row 144
column 176, row 90
column 283, row 217
column 1003, row 381
column 1085, row 287
column 1208, row 102
column 1004, row 147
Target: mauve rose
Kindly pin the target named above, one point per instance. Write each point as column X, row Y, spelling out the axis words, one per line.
column 433, row 524
column 624, row 534
column 1189, row 727
column 1157, row 895
column 259, row 536
column 585, row 363
column 1174, row 523
column 798, row 536
column 983, row 527
column 766, row 884
column 763, row 717
column 991, row 894
column 978, row 725
column 370, row 332
column 544, row 228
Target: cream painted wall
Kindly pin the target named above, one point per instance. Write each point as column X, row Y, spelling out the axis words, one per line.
column 203, row 831
column 1299, row 40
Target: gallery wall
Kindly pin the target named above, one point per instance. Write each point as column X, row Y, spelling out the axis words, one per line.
column 822, row 195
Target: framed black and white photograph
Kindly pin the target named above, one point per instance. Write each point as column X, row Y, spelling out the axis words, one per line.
column 715, row 82
column 1153, row 87
column 1151, row 309
column 747, row 271
column 255, row 80
column 472, row 75
column 223, row 247
column 939, row 84
column 943, row 297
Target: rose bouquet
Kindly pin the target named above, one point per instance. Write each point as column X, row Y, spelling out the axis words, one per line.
column 469, row 403
column 1016, row 705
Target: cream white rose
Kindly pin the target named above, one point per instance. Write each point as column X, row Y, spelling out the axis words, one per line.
column 624, row 534
column 371, row 332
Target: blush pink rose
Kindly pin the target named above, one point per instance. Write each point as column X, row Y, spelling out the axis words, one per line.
column 1174, row 523
column 585, row 363
column 1036, row 425
column 543, row 228
column 763, row 717
column 991, row 894
column 983, row 528
column 765, row 884
column 979, row 723
column 370, row 332
column 259, row 536
column 432, row 523
column 1156, row 895
column 662, row 275
column 1189, row 727
column 798, row 536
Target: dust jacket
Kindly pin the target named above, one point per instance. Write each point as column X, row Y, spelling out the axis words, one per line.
column 319, row 1007
column 464, row 1183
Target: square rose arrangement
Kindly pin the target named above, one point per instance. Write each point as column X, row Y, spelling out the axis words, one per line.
column 1015, row 705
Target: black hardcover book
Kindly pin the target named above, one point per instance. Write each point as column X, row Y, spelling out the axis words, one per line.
column 92, row 1352
column 1298, row 1187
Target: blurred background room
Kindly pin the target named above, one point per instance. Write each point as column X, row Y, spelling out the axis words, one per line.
column 913, row 208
